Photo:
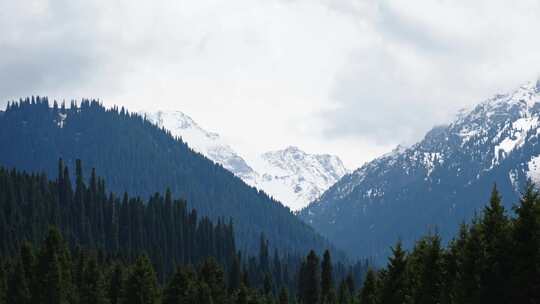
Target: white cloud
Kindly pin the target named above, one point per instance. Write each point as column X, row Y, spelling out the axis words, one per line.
column 349, row 77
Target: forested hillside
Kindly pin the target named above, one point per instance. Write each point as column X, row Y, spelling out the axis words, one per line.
column 52, row 273
column 126, row 250
column 90, row 217
column 135, row 156
column 491, row 260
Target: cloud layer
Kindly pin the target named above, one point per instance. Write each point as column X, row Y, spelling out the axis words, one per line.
column 350, row 77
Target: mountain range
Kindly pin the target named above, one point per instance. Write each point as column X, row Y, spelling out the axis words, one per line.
column 290, row 175
column 438, row 182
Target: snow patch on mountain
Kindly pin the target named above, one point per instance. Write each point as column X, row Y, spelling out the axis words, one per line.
column 534, row 169
column 61, row 120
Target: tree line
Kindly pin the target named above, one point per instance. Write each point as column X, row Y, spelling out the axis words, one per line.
column 55, row 274
column 493, row 259
column 112, row 237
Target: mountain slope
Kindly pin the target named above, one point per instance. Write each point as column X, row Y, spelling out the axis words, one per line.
column 438, row 182
column 291, row 176
column 134, row 155
column 208, row 144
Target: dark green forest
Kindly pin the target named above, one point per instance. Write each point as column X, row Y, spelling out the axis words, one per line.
column 135, row 156
column 112, row 237
column 54, row 274
column 493, row 259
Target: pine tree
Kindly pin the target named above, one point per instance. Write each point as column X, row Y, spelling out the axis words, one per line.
column 267, row 284
column 283, row 296
column 351, row 285
column 344, row 295
column 204, row 294
column 93, row 290
column 394, row 288
column 426, row 270
column 526, row 248
column 327, row 280
column 468, row 283
column 310, row 281
column 211, row 274
column 18, row 290
column 496, row 266
column 3, row 284
column 368, row 294
column 242, row 295
column 53, row 275
column 181, row 289
column 235, row 275
column 28, row 262
column 277, row 271
column 264, row 259
column 116, row 285
column 141, row 285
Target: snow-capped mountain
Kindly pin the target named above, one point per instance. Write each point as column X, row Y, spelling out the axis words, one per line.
column 295, row 177
column 438, row 182
column 207, row 143
column 291, row 176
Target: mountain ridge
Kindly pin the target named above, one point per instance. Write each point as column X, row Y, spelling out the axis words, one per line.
column 437, row 182
column 289, row 175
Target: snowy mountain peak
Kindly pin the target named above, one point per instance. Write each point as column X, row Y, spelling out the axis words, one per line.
column 291, row 175
column 297, row 177
column 442, row 175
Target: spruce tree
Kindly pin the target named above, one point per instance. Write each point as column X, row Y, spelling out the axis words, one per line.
column 267, row 284
column 141, row 285
column 452, row 261
column 28, row 262
column 311, row 279
column 204, row 295
column 351, row 285
column 242, row 296
column 394, row 281
column 116, row 284
column 3, row 283
column 181, row 289
column 468, row 283
column 53, row 276
column 327, row 280
column 264, row 259
column 18, row 290
column 368, row 294
column 526, row 248
column 496, row 266
column 277, row 271
column 93, row 289
column 344, row 295
column 426, row 270
column 283, row 296
column 235, row 275
column 211, row 274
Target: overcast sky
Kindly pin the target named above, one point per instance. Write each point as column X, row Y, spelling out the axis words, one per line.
column 347, row 77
